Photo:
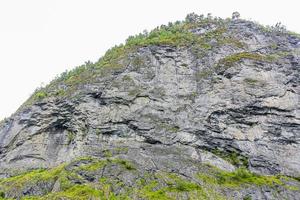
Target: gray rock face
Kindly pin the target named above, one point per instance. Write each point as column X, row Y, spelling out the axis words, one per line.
column 172, row 107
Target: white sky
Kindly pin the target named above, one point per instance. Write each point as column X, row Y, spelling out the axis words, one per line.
column 42, row 38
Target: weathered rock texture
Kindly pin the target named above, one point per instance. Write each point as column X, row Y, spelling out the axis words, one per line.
column 173, row 108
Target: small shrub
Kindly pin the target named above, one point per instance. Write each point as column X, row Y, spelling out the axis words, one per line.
column 40, row 95
column 297, row 178
column 232, row 157
column 235, row 15
column 107, row 153
column 80, row 192
column 242, row 176
column 247, row 197
column 71, row 137
column 230, row 60
column 98, row 132
column 182, row 185
column 2, row 194
column 60, row 92
column 128, row 165
column 94, row 165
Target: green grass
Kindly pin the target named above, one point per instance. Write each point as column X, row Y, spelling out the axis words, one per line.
column 93, row 166
column 107, row 153
column 232, row 59
column 40, row 95
column 76, row 192
column 207, row 184
column 173, row 186
column 96, row 164
column 126, row 164
column 32, row 176
column 149, row 191
column 242, row 176
column 248, row 197
column 17, row 183
column 176, row 183
column 68, row 189
column 173, row 190
column 238, row 178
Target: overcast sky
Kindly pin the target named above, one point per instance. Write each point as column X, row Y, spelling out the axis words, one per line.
column 42, row 38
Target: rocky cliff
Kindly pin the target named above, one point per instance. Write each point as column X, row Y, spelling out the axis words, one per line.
column 204, row 108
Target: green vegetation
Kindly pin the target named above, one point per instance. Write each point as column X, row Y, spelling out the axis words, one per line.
column 99, row 164
column 35, row 175
column 172, row 186
column 40, row 95
column 107, row 153
column 178, row 184
column 115, row 151
column 2, row 194
column 248, row 197
column 126, row 164
column 93, row 166
column 98, row 132
column 239, row 178
column 207, row 184
column 243, row 176
column 297, row 178
column 232, row 59
column 30, row 178
column 68, row 189
column 174, row 35
column 232, row 157
column 60, row 93
column 76, row 192
column 71, row 137
column 148, row 191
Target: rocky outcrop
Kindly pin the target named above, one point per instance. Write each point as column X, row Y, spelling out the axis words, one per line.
column 175, row 108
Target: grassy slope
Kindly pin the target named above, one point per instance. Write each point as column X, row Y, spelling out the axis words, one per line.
column 209, row 183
